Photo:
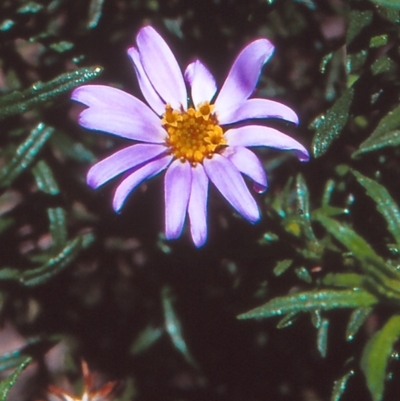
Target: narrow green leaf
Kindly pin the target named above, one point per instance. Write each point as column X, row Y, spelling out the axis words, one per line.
column 330, row 125
column 322, row 337
column 95, row 9
column 58, row 227
column 388, row 3
column 329, row 211
column 146, row 339
column 370, row 261
column 282, row 266
column 340, row 386
column 347, row 280
column 57, row 263
column 376, row 356
column 385, row 134
column 385, row 204
column 69, row 148
column 44, row 178
column 389, row 138
column 5, row 223
column 31, row 7
column 39, row 93
column 303, row 274
column 174, row 328
column 286, row 321
column 312, row 300
column 6, row 384
column 303, row 196
column 378, row 41
column 357, row 319
column 358, row 21
column 25, row 154
column 383, row 64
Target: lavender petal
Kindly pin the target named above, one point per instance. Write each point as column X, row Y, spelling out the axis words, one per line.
column 198, row 205
column 148, row 91
column 258, row 108
column 134, row 126
column 161, row 67
column 257, row 135
column 243, row 76
column 248, row 164
column 201, row 81
column 121, row 161
column 226, row 177
column 146, row 172
column 177, row 183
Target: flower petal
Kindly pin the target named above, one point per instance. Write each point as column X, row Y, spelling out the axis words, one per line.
column 243, row 76
column 121, row 161
column 201, row 81
column 121, row 123
column 146, row 172
column 247, row 163
column 178, row 180
column 257, row 135
column 101, row 96
column 161, row 67
column 198, row 205
column 149, row 93
column 258, row 108
column 226, row 177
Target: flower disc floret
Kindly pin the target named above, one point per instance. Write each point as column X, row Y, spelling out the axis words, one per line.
column 193, row 134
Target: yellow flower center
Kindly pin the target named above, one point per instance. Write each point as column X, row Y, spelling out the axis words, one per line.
column 193, row 134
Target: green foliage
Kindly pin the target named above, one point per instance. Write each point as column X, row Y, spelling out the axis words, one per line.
column 376, row 356
column 39, row 93
column 311, row 301
column 330, row 125
column 7, row 384
column 25, row 154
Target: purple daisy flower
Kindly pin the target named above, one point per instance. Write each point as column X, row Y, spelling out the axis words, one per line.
column 187, row 138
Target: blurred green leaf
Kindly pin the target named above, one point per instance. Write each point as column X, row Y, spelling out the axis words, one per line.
column 174, row 327
column 376, row 356
column 5, row 223
column 378, row 41
column 340, row 386
column 146, row 339
column 282, row 266
column 358, row 21
column 39, row 93
column 7, row 384
column 25, row 154
column 383, row 64
column 52, row 267
column 322, row 337
column 58, row 227
column 388, row 3
column 44, row 178
column 95, row 10
column 330, row 124
column 287, row 320
column 69, row 148
column 303, row 196
column 361, row 250
column 347, row 280
column 385, row 204
column 61, row 47
column 303, row 274
column 31, row 7
column 387, row 133
column 312, row 300
column 357, row 319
